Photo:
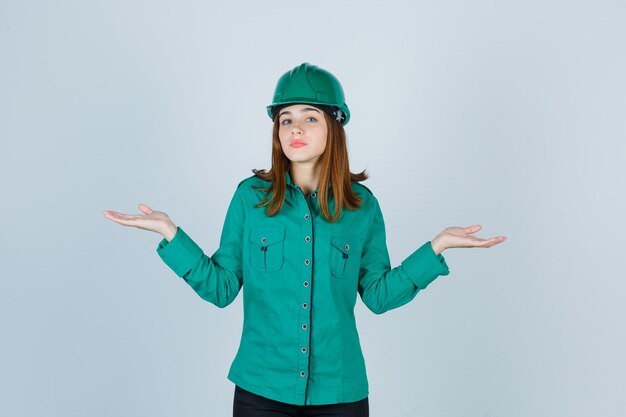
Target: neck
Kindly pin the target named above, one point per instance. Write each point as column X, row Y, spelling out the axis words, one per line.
column 305, row 176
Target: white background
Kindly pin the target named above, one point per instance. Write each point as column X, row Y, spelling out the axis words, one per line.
column 507, row 114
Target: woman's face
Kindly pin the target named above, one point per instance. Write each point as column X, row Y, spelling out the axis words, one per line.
column 302, row 132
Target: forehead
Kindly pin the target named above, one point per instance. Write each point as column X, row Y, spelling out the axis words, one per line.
column 298, row 108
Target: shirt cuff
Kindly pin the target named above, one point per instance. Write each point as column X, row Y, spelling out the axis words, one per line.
column 423, row 266
column 181, row 253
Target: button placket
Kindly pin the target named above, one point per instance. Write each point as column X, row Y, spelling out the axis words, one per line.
column 307, row 286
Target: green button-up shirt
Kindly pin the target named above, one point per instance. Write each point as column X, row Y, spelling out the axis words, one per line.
column 300, row 276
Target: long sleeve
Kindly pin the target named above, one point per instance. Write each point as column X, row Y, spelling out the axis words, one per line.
column 217, row 279
column 383, row 288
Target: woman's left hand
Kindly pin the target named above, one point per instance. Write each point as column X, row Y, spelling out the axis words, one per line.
column 461, row 237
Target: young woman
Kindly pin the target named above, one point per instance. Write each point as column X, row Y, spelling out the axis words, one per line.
column 302, row 239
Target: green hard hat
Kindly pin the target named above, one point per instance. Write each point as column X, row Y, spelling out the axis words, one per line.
column 310, row 84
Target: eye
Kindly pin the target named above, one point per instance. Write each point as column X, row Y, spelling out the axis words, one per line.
column 289, row 120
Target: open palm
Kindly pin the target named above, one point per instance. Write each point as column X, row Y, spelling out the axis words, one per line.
column 461, row 237
column 153, row 220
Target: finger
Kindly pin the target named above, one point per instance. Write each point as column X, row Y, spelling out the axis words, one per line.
column 121, row 216
column 145, row 209
column 125, row 220
column 473, row 229
column 499, row 240
column 493, row 241
column 489, row 243
column 485, row 242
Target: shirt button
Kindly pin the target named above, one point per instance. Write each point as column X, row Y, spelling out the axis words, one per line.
column 307, row 239
column 313, row 195
column 305, row 305
column 347, row 247
column 306, row 216
column 302, row 373
column 304, row 327
column 263, row 240
column 306, row 262
column 303, row 350
column 305, row 283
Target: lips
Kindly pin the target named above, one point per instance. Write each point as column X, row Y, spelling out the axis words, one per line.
column 297, row 143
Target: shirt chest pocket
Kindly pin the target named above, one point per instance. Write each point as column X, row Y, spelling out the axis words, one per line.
column 345, row 256
column 267, row 250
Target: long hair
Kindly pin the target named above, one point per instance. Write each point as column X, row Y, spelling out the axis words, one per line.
column 335, row 169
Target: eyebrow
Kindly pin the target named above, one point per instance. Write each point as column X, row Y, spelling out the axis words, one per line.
column 301, row 111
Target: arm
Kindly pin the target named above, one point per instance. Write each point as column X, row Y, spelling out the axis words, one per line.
column 383, row 288
column 217, row 279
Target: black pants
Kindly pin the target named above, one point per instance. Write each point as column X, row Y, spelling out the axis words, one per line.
column 247, row 404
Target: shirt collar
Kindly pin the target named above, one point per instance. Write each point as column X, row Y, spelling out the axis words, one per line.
column 290, row 182
column 288, row 178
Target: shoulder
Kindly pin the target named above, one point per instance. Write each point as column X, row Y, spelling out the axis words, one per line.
column 366, row 194
column 251, row 181
column 245, row 180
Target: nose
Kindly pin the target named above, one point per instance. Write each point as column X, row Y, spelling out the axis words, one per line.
column 295, row 128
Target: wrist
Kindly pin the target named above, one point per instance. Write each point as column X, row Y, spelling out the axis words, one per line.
column 170, row 232
column 437, row 246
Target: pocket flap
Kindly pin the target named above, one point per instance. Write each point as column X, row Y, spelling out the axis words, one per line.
column 346, row 244
column 267, row 237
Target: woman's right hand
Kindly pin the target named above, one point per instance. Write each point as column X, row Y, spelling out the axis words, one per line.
column 155, row 221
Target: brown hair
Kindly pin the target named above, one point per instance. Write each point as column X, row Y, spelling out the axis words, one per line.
column 335, row 169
